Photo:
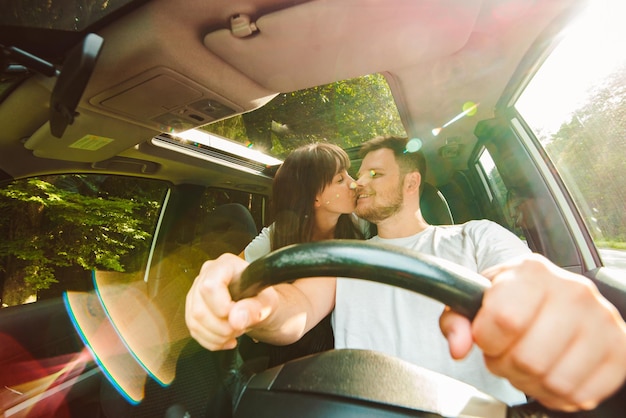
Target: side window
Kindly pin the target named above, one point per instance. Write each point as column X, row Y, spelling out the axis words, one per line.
column 213, row 198
column 224, row 221
column 501, row 200
column 575, row 108
column 229, row 222
column 494, row 186
column 201, row 224
column 57, row 229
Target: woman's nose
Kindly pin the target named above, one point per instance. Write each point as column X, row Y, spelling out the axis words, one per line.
column 350, row 182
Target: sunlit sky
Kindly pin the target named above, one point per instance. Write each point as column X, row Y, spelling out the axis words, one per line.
column 591, row 49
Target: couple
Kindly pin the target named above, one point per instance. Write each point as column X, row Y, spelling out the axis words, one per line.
column 542, row 331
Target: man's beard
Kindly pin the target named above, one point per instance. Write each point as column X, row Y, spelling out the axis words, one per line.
column 378, row 213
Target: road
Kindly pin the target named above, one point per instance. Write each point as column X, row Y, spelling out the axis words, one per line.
column 613, row 258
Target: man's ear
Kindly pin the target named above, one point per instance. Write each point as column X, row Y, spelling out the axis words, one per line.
column 412, row 182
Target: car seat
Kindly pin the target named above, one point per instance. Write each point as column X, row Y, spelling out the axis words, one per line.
column 434, row 206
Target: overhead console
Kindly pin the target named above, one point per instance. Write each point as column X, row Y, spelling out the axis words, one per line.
column 151, row 77
column 165, row 100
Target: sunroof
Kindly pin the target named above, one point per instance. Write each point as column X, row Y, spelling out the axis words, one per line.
column 67, row 15
column 346, row 113
column 210, row 147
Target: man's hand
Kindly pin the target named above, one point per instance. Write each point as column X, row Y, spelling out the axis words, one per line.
column 548, row 331
column 212, row 317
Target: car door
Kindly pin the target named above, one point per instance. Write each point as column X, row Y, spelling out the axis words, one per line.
column 550, row 164
column 94, row 272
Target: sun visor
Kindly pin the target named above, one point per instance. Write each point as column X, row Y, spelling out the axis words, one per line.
column 81, row 142
column 157, row 100
column 314, row 41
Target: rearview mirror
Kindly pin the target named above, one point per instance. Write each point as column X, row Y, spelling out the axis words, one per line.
column 73, row 79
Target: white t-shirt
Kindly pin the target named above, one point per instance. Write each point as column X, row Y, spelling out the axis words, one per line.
column 371, row 315
column 261, row 244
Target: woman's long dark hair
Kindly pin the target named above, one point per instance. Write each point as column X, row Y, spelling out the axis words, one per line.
column 304, row 174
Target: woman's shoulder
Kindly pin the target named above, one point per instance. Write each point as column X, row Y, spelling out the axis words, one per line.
column 260, row 245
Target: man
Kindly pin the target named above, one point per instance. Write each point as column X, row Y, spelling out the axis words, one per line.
column 560, row 342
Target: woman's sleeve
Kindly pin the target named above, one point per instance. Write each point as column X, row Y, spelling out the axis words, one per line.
column 259, row 246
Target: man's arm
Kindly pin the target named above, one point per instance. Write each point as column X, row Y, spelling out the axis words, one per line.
column 278, row 315
column 548, row 331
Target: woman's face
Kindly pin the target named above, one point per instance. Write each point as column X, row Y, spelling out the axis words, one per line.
column 339, row 196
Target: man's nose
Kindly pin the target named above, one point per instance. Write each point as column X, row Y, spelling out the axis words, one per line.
column 360, row 180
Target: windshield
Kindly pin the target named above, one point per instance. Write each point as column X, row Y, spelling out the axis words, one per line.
column 346, row 113
column 68, row 15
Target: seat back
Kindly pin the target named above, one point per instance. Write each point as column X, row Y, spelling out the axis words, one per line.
column 434, row 206
column 232, row 226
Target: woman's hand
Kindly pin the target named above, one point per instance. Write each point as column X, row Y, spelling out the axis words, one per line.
column 212, row 317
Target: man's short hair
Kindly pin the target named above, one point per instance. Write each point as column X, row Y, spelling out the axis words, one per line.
column 407, row 161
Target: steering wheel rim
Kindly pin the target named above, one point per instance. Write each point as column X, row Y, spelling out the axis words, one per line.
column 447, row 282
column 451, row 284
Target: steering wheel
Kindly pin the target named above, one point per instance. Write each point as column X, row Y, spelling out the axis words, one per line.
column 449, row 283
column 356, row 383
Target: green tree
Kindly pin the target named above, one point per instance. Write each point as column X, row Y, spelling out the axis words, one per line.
column 53, row 14
column 61, row 221
column 346, row 112
column 589, row 150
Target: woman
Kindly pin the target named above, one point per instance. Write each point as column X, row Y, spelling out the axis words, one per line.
column 313, row 199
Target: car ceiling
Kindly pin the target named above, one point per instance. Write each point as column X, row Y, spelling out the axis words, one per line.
column 161, row 58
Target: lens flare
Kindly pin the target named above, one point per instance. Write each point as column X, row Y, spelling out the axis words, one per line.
column 99, row 336
column 469, row 109
column 36, row 386
column 132, row 334
column 414, row 145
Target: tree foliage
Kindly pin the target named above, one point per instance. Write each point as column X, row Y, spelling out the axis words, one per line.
column 589, row 151
column 95, row 222
column 346, row 112
column 64, row 15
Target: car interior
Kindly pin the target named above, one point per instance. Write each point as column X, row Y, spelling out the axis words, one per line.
column 132, row 102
